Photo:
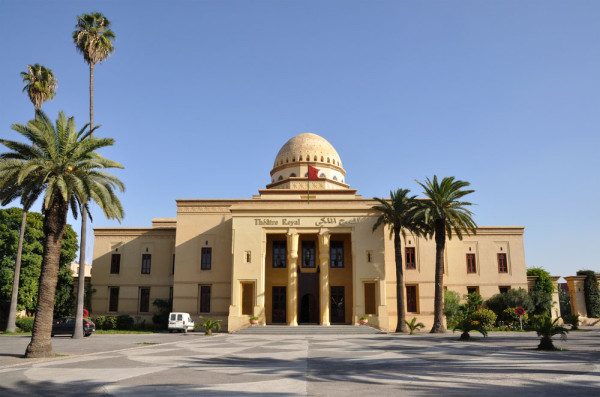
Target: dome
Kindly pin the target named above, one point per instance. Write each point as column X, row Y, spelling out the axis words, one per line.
column 296, row 155
column 307, row 147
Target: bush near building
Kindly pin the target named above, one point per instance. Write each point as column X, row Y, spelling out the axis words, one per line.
column 591, row 293
column 485, row 317
column 510, row 299
column 25, row 324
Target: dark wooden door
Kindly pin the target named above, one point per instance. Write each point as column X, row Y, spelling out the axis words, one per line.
column 279, row 313
column 308, row 294
column 411, row 298
column 337, row 312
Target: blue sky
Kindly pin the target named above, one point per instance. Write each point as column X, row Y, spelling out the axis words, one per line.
column 201, row 95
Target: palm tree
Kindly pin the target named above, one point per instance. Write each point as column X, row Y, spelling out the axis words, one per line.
column 93, row 38
column 40, row 85
column 545, row 327
column 63, row 164
column 399, row 214
column 444, row 214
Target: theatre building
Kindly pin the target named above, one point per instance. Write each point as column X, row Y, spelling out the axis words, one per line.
column 302, row 251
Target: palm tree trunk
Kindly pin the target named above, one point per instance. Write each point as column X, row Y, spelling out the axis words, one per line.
column 55, row 220
column 438, row 305
column 78, row 332
column 400, row 290
column 12, row 313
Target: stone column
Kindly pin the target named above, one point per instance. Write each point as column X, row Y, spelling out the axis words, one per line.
column 555, row 299
column 292, row 287
column 324, row 276
column 575, row 284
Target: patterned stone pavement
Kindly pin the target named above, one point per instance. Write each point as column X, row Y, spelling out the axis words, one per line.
column 304, row 365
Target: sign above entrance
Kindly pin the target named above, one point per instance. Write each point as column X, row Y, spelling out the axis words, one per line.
column 326, row 221
column 276, row 222
column 336, row 221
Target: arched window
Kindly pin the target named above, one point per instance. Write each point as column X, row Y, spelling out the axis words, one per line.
column 328, row 159
column 292, row 175
column 287, row 160
column 315, row 159
column 335, row 178
column 300, row 159
column 322, row 159
column 322, row 175
column 280, row 177
column 293, row 159
column 306, row 175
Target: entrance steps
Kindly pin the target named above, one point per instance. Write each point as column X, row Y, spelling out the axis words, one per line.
column 309, row 330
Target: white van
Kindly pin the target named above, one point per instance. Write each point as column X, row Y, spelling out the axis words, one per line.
column 180, row 322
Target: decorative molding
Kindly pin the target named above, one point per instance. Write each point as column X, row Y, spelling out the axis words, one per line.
column 203, row 210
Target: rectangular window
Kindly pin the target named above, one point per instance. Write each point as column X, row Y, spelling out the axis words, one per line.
column 410, row 258
column 206, row 260
column 411, row 299
column 115, row 263
column 502, row 264
column 471, row 266
column 205, row 299
column 113, row 303
column 470, row 290
column 248, row 299
column 279, row 254
column 171, row 296
column 146, row 262
column 370, row 299
column 336, row 254
column 173, row 265
column 308, row 254
column 144, row 300
column 504, row 290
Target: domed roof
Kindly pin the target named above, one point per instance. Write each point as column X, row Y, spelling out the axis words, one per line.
column 317, row 149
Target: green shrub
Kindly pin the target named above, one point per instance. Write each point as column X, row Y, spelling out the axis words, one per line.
column 125, row 322
column 513, row 298
column 485, row 317
column 451, row 306
column 564, row 301
column 542, row 291
column 510, row 318
column 25, row 323
column 110, row 323
column 591, row 293
column 161, row 319
column 99, row 321
column 572, row 319
column 473, row 302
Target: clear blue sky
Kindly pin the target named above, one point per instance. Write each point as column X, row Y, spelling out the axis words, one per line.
column 201, row 95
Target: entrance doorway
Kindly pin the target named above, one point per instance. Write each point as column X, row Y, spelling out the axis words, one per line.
column 338, row 305
column 279, row 314
column 308, row 294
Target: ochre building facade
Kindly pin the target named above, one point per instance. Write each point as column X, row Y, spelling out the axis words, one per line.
column 300, row 252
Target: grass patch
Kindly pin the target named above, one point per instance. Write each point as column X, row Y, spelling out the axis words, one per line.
column 116, row 331
column 147, row 343
column 60, row 355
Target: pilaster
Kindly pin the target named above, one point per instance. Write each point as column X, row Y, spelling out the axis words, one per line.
column 292, row 290
column 324, row 276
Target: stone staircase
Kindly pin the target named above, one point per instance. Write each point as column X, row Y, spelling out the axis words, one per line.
column 309, row 330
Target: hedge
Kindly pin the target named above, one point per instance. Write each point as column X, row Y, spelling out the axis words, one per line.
column 592, row 295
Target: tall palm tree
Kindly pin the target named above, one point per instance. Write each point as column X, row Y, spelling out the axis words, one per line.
column 444, row 214
column 40, row 85
column 399, row 214
column 63, row 163
column 93, row 38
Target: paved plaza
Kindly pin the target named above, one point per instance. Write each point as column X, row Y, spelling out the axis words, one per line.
column 504, row 364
